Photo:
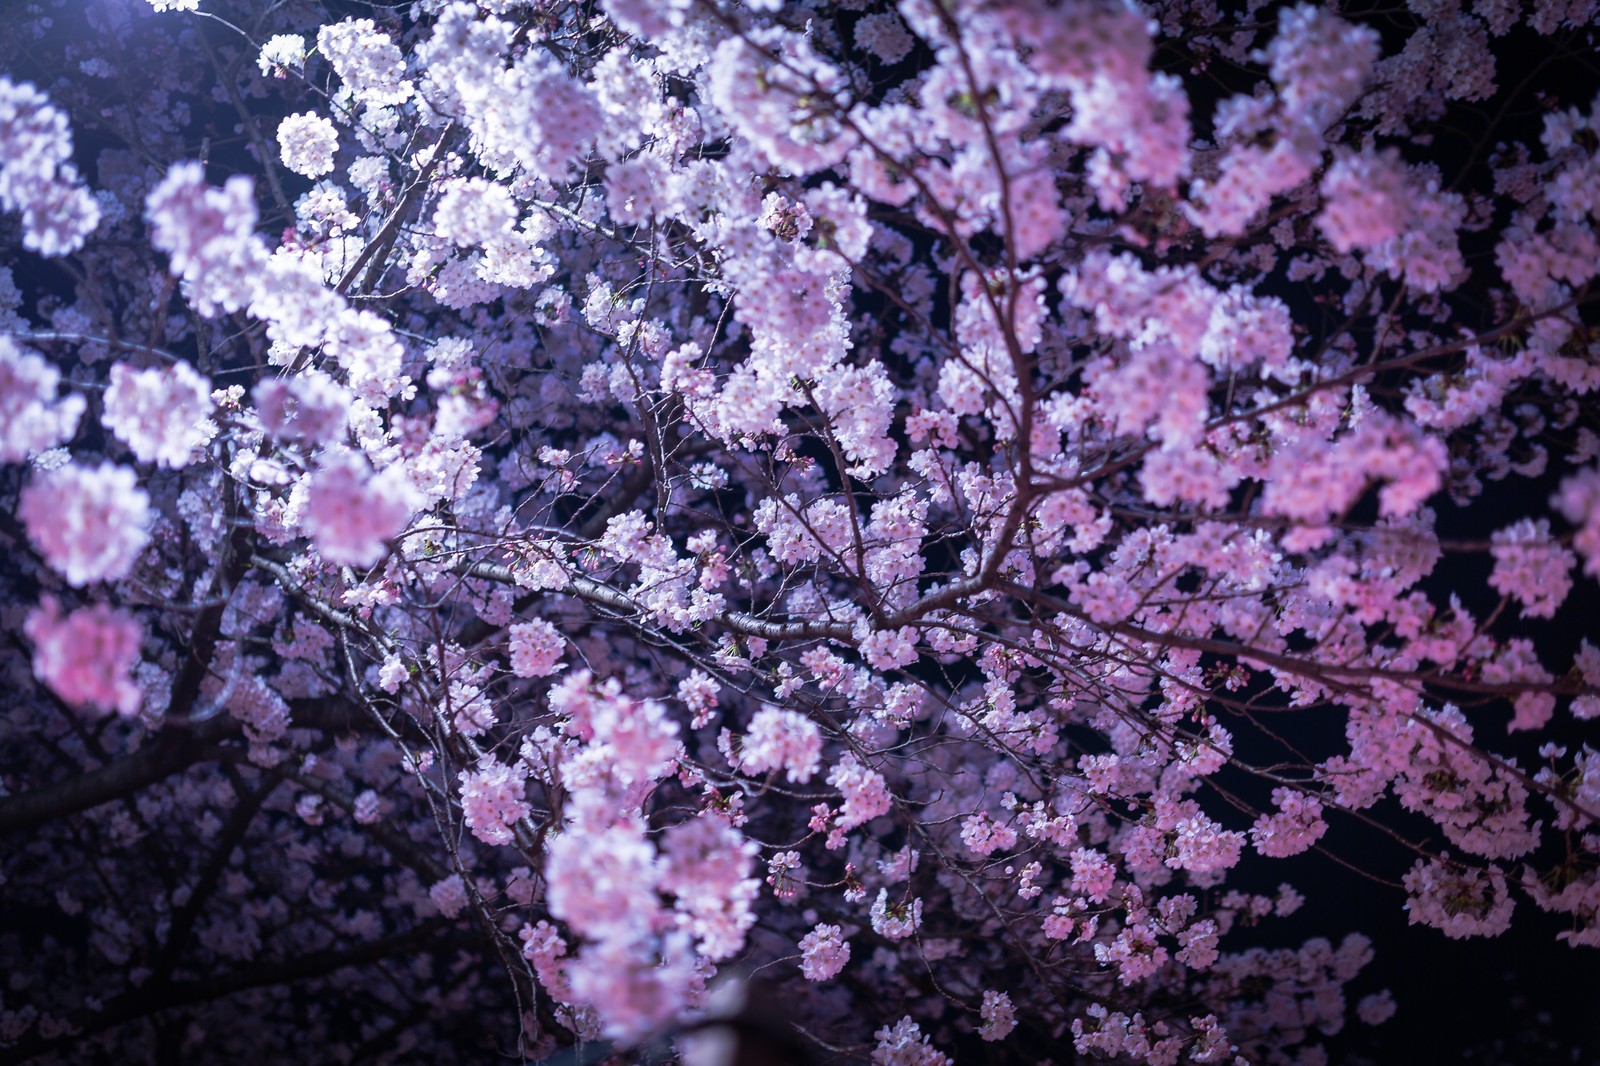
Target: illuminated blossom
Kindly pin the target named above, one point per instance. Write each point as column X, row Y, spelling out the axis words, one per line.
column 89, row 523
column 87, row 656
column 160, row 414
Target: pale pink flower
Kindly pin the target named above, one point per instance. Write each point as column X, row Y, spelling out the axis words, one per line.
column 162, row 415
column 1376, row 1008
column 309, row 406
column 897, row 920
column 1530, row 567
column 904, row 1045
column 282, row 53
column 1297, row 825
column 536, row 648
column 1365, row 199
column 36, row 179
column 351, row 513
column 781, row 739
column 1093, row 875
column 89, row 523
column 865, row 794
column 602, row 882
column 699, row 693
column 492, row 800
column 474, row 211
column 708, row 865
column 984, row 836
column 32, row 419
column 449, row 895
column 307, row 143
column 885, row 36
column 823, row 952
column 1578, row 500
column 1459, row 901
column 999, row 1016
column 370, row 63
column 86, row 657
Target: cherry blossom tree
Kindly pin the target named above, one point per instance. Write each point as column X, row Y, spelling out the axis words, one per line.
column 528, row 521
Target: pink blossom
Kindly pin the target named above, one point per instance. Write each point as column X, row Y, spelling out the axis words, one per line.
column 208, row 234
column 160, row 414
column 1578, row 500
column 998, row 1014
column 32, row 419
column 885, row 36
column 1093, row 875
column 1295, row 827
column 699, row 693
column 307, row 143
column 708, row 865
column 781, row 740
column 824, row 952
column 36, row 179
column 474, row 211
column 492, row 800
column 282, row 52
column 904, row 1045
column 86, row 656
column 1319, row 62
column 1459, row 901
column 536, row 648
column 602, row 882
column 1531, row 567
column 890, row 649
column 865, row 794
column 1376, row 1008
column 309, row 406
column 1366, row 201
column 88, row 522
column 984, row 836
column 449, row 895
column 895, row 920
column 367, row 60
column 633, row 990
column 350, row 513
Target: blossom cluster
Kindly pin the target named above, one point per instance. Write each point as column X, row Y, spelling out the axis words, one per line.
column 917, row 502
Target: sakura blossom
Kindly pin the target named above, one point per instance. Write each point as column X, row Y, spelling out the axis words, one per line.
column 536, row 648
column 89, row 523
column 824, row 952
column 36, row 179
column 351, row 512
column 160, row 414
column 86, row 657
column 34, row 417
column 307, row 143
column 895, row 532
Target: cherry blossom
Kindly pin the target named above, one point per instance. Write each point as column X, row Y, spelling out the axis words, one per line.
column 532, row 522
column 824, row 952
column 34, row 418
column 307, row 143
column 88, row 522
column 86, row 657
column 351, row 512
column 161, row 415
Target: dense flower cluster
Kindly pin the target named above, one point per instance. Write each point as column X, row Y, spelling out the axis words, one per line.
column 161, row 415
column 89, row 523
column 522, row 513
column 32, row 418
column 36, row 179
column 87, row 656
column 307, row 144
